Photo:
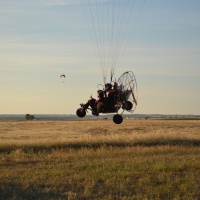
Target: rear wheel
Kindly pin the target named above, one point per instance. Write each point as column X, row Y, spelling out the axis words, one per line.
column 117, row 119
column 127, row 105
column 80, row 113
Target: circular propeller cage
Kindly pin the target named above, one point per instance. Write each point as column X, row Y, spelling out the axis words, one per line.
column 127, row 83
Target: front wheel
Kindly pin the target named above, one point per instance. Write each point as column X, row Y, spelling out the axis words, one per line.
column 80, row 113
column 117, row 119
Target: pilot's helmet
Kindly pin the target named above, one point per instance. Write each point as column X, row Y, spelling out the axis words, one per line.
column 115, row 85
column 100, row 91
column 108, row 86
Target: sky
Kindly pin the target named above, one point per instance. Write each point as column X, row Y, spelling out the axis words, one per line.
column 42, row 39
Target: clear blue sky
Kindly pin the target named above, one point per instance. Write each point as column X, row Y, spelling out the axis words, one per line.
column 42, row 39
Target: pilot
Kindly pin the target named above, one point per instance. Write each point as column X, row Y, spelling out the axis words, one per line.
column 99, row 102
column 110, row 91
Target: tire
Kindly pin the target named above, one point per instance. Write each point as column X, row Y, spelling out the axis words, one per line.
column 117, row 119
column 80, row 113
column 127, row 105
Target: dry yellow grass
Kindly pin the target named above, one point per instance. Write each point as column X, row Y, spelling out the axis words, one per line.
column 131, row 131
column 139, row 159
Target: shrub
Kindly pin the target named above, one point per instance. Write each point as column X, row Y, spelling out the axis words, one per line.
column 29, row 117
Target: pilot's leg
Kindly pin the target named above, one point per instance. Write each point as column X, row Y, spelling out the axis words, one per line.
column 99, row 107
column 85, row 106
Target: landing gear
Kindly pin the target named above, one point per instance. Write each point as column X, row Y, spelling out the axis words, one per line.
column 117, row 119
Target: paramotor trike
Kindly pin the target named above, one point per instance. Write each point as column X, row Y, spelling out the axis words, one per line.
column 125, row 98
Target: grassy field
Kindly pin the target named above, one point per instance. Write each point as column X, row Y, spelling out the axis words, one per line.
column 139, row 159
